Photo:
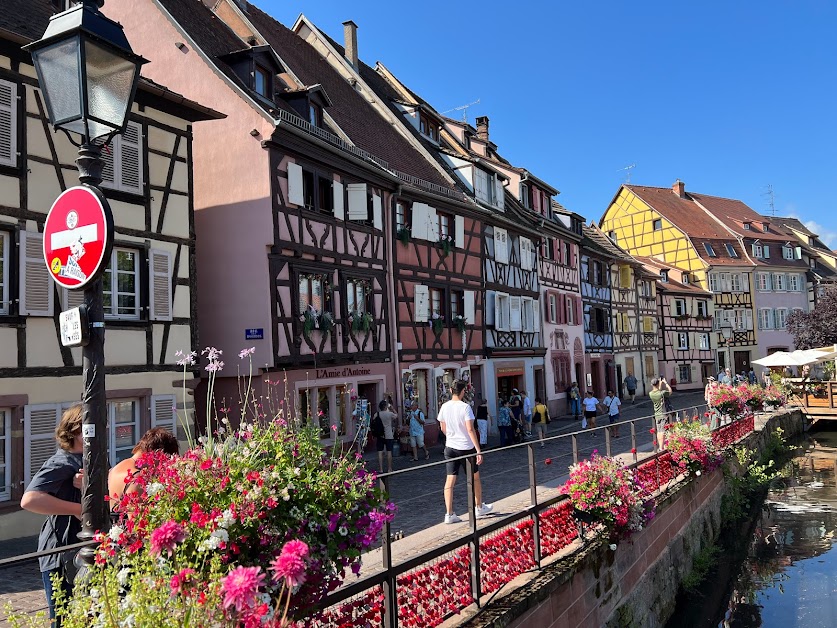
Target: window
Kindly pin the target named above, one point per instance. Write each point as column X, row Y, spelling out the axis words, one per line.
column 600, row 321
column 779, row 282
column 682, row 341
column 5, row 454
column 121, row 284
column 428, row 128
column 757, row 250
column 781, row 316
column 813, row 264
column 765, row 251
column 765, row 226
column 444, row 224
column 787, row 252
column 570, row 309
column 658, row 225
column 314, row 115
column 553, row 308
column 650, row 366
column 5, row 256
column 714, row 282
column 436, row 302
column 261, row 81
column 793, row 282
column 731, row 250
column 645, row 288
column 567, row 254
column 313, row 293
column 709, row 250
column 679, row 307
column 702, row 309
column 358, row 296
column 488, row 188
column 703, row 342
column 123, row 168
column 8, row 123
column 765, row 318
column 684, row 373
column 747, row 226
column 612, row 236
column 685, row 279
column 402, row 218
column 547, row 248
column 647, row 325
column 763, row 280
column 598, row 274
column 123, row 421
column 735, row 282
column 457, row 298
column 501, row 311
column 664, row 276
column 324, row 407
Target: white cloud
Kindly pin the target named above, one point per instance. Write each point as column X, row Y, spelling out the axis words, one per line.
column 826, row 235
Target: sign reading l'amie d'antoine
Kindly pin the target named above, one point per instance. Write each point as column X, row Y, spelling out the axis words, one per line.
column 346, row 372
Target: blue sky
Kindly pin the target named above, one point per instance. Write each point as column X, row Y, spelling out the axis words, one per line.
column 730, row 97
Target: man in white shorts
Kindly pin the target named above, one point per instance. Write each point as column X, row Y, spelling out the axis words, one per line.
column 417, row 431
column 456, row 418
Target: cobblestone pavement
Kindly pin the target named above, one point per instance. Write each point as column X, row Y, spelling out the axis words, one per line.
column 418, row 494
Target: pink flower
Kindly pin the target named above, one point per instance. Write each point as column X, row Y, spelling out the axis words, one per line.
column 240, row 587
column 246, row 352
column 290, row 564
column 166, row 537
column 299, row 548
column 181, row 580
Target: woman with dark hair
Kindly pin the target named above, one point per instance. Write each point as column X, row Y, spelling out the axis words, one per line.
column 119, row 478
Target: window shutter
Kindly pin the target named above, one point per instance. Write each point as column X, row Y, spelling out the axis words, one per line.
column 579, row 311
column 515, row 323
column 526, row 253
column 8, row 123
column 71, row 298
column 159, row 280
column 338, row 204
column 499, row 199
column 536, row 315
column 748, row 316
column 468, row 306
column 109, row 159
column 358, row 208
column 421, row 297
column 295, row 193
column 39, row 423
column 459, row 231
column 501, row 246
column 377, row 213
column 490, row 307
column 36, row 291
column 130, row 159
column 766, row 251
column 163, row 413
column 432, row 224
column 419, row 226
column 525, row 310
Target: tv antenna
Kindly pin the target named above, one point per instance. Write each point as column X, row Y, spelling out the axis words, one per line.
column 627, row 170
column 463, row 109
column 771, row 199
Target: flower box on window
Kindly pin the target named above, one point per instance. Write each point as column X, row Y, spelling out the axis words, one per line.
column 360, row 321
column 403, row 235
column 437, row 323
column 446, row 244
column 459, row 322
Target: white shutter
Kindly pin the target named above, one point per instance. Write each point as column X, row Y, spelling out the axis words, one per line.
column 525, row 253
column 419, row 227
column 377, row 214
column 159, row 282
column 515, row 323
column 108, row 169
column 8, row 123
column 501, row 246
column 432, row 224
column 499, row 198
column 36, row 291
column 468, row 306
column 39, row 423
column 536, row 315
column 71, row 299
column 526, row 314
column 421, row 298
column 130, row 159
column 489, row 307
column 358, row 208
column 163, row 413
column 295, row 189
column 339, row 207
column 748, row 318
column 501, row 317
column 766, row 251
column 459, row 231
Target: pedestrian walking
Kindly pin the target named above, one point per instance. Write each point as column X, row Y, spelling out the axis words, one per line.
column 383, row 428
column 456, row 418
column 527, row 414
column 483, row 422
column 516, row 407
column 120, row 476
column 417, row 421
column 540, row 419
column 504, row 423
column 591, row 407
column 574, row 397
column 630, row 386
column 751, row 376
column 613, row 403
column 660, row 391
column 55, row 492
column 725, row 377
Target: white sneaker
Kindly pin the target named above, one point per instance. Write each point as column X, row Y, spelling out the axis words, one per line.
column 452, row 518
column 483, row 509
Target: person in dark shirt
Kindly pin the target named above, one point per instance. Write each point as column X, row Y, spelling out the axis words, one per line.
column 54, row 491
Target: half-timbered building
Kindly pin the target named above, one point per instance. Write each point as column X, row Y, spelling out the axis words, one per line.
column 148, row 286
column 820, row 260
column 597, row 302
column 685, row 314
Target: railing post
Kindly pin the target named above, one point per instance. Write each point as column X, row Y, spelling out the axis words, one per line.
column 575, row 449
column 656, row 437
column 533, row 493
column 390, row 614
column 607, row 440
column 476, row 589
column 633, row 440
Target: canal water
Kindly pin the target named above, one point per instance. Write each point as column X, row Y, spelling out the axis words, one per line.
column 782, row 570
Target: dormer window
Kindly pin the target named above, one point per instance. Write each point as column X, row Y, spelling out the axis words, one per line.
column 686, row 279
column 787, row 252
column 757, row 251
column 315, row 115
column 664, row 276
column 747, row 226
column 765, row 226
column 709, row 250
column 731, row 251
column 261, row 82
column 428, row 128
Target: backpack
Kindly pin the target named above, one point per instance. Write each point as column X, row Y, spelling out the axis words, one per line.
column 377, row 426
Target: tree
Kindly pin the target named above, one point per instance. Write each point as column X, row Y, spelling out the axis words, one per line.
column 817, row 328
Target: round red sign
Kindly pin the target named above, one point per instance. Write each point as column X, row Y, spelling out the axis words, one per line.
column 78, row 237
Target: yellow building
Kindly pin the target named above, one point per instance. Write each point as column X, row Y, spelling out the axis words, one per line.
column 676, row 227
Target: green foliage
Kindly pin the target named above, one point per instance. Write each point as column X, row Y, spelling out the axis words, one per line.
column 403, row 235
column 361, row 322
column 438, row 325
column 702, row 563
column 754, row 476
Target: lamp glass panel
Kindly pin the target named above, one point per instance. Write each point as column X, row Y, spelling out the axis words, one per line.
column 58, row 69
column 110, row 78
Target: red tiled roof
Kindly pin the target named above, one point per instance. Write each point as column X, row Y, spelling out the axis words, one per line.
column 682, row 212
column 734, row 214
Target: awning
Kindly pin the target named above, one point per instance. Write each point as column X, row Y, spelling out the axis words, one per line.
column 509, row 371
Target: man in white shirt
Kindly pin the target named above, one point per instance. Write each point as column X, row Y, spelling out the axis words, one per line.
column 456, row 418
column 527, row 413
column 612, row 403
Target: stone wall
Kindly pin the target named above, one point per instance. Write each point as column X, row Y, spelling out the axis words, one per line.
column 636, row 585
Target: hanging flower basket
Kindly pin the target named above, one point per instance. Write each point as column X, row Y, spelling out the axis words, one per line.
column 437, row 324
column 403, row 235
column 361, row 322
column 459, row 321
column 446, row 244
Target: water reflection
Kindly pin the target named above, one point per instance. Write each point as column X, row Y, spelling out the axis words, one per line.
column 790, row 573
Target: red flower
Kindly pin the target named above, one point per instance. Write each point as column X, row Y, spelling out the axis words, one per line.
column 652, row 431
column 633, row 450
column 548, row 461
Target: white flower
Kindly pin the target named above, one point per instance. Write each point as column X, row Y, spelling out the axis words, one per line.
column 297, row 470
column 613, row 547
column 221, row 534
column 122, row 576
column 115, row 532
column 94, row 593
column 286, row 495
column 154, row 488
column 225, row 519
column 343, row 531
column 697, row 473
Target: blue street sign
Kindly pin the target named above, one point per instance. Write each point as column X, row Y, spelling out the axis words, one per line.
column 254, row 334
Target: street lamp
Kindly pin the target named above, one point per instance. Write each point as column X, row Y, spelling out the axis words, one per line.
column 726, row 332
column 88, row 75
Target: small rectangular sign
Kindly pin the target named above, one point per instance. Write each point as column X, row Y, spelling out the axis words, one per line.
column 73, row 324
column 257, row 333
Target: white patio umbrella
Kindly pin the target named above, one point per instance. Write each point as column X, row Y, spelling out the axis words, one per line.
column 782, row 358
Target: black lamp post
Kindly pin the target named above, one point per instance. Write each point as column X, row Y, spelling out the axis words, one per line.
column 88, row 75
column 727, row 333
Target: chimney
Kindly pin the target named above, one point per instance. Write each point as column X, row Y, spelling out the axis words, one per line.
column 482, row 128
column 679, row 188
column 350, row 37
